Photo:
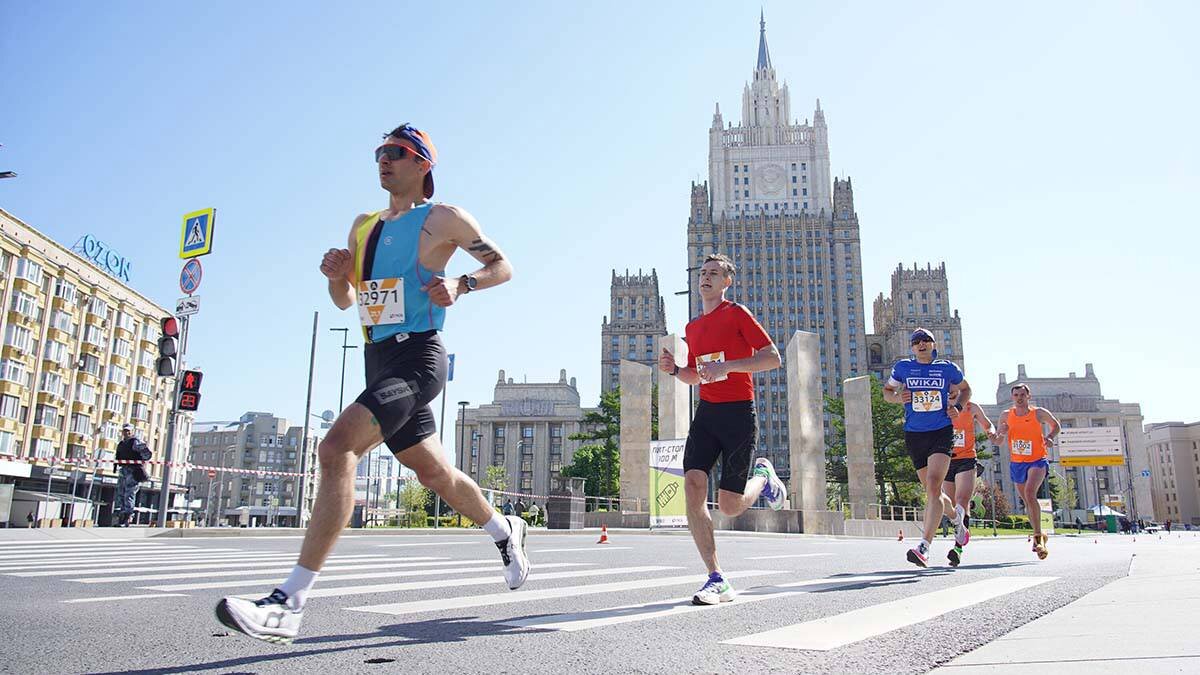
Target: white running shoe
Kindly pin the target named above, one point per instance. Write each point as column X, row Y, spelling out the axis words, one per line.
column 269, row 619
column 773, row 490
column 962, row 536
column 715, row 590
column 512, row 552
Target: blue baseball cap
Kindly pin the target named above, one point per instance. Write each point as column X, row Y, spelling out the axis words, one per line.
column 920, row 335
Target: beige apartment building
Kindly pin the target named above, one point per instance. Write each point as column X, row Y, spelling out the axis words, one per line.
column 77, row 362
column 1174, row 456
column 255, row 459
column 526, row 429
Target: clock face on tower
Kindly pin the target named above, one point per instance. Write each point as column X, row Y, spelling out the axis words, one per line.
column 771, row 180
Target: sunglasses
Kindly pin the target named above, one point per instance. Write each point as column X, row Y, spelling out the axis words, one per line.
column 394, row 153
column 917, row 342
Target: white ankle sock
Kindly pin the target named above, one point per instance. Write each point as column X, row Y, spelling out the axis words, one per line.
column 297, row 586
column 958, row 514
column 498, row 527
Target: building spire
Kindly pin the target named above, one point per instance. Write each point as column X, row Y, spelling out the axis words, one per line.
column 764, row 56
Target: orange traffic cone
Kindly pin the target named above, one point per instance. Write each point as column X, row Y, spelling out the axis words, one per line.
column 901, row 535
column 603, row 534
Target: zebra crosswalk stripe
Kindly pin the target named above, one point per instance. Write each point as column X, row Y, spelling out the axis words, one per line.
column 473, row 601
column 440, row 570
column 336, row 591
column 848, row 627
column 679, row 606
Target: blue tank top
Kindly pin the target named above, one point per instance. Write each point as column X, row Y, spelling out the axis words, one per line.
column 389, row 248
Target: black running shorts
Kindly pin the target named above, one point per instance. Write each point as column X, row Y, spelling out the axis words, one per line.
column 957, row 466
column 403, row 376
column 922, row 444
column 728, row 430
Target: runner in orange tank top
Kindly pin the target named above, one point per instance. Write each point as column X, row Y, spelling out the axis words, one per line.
column 960, row 478
column 1021, row 426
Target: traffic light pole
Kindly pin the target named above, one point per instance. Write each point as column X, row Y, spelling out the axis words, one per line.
column 164, row 496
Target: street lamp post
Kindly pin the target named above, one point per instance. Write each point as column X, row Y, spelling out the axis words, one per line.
column 312, row 355
column 345, row 346
column 220, row 484
column 462, row 424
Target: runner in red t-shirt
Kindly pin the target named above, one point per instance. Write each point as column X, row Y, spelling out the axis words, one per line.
column 725, row 345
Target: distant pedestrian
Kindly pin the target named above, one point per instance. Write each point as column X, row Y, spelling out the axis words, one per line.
column 1168, row 527
column 1078, row 524
column 520, row 508
column 534, row 512
column 29, row 518
column 130, row 475
column 507, row 509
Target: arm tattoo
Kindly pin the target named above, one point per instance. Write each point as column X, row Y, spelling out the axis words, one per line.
column 485, row 249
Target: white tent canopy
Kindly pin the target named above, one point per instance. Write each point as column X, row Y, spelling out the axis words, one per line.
column 1105, row 511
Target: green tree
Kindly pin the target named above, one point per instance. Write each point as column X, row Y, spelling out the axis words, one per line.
column 593, row 464
column 1062, row 491
column 895, row 478
column 414, row 499
column 985, row 490
column 494, row 478
column 599, row 463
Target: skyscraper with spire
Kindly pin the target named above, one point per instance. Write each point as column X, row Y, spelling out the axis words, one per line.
column 771, row 204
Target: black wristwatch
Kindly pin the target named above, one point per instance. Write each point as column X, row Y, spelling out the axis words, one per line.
column 469, row 281
column 959, row 406
column 676, row 371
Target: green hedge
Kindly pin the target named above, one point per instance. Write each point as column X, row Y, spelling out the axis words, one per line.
column 1014, row 522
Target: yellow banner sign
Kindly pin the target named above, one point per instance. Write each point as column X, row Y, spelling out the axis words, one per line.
column 1092, row 461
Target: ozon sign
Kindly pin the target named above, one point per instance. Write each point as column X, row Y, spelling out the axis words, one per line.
column 104, row 257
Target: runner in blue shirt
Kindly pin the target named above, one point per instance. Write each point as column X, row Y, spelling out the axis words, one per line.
column 933, row 392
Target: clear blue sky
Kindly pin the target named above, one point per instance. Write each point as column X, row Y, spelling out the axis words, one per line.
column 1048, row 152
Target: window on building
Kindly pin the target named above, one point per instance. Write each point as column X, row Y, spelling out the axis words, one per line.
column 24, row 304
column 29, row 270
column 65, row 290
column 10, row 407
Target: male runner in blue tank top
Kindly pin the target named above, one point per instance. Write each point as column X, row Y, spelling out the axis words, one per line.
column 933, row 392
column 394, row 271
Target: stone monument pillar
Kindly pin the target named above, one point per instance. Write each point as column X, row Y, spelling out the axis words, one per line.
column 673, row 417
column 635, row 435
column 860, row 446
column 806, row 423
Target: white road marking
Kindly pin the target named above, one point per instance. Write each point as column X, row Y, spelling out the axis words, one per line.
column 372, row 563
column 842, row 629
column 598, row 549
column 113, row 598
column 338, row 577
column 473, row 601
column 790, row 555
column 201, row 565
column 650, row 610
column 471, row 581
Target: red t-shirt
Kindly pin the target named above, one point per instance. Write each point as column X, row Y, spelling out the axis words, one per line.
column 728, row 333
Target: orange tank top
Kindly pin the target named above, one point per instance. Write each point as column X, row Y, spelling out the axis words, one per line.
column 964, row 435
column 1026, row 442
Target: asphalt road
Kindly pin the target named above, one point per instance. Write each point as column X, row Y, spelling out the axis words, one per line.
column 436, row 604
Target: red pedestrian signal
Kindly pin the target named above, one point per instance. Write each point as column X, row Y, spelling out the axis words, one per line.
column 167, row 346
column 189, row 401
column 189, row 380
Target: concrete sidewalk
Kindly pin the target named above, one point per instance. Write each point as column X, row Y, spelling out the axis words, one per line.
column 1143, row 623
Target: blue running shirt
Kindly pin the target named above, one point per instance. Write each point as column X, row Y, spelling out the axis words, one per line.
column 930, row 386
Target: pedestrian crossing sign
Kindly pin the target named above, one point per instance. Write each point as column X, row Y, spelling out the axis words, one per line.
column 197, row 233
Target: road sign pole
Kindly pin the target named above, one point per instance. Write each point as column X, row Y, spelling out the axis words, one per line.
column 312, row 356
column 164, row 497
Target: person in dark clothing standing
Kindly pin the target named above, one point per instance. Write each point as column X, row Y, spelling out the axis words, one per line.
column 129, row 476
